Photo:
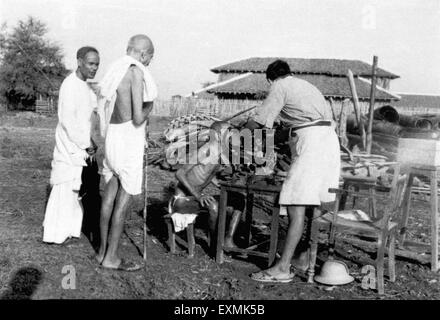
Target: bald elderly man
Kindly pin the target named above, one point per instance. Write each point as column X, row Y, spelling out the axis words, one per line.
column 127, row 92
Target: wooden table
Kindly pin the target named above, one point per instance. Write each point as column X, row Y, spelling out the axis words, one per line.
column 404, row 246
column 258, row 188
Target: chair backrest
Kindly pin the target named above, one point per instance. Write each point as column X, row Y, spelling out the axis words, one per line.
column 393, row 200
column 396, row 194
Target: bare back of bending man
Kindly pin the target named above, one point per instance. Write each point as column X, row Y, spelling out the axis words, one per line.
column 129, row 106
column 193, row 178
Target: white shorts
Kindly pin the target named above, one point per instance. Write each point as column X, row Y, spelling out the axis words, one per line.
column 124, row 155
column 315, row 167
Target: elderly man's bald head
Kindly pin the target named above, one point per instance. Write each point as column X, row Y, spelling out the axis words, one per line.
column 140, row 42
column 141, row 48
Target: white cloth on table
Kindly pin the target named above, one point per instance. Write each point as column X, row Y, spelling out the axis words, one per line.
column 354, row 215
column 315, row 168
column 110, row 82
column 63, row 216
column 123, row 155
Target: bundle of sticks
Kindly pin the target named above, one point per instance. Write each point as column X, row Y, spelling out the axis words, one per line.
column 177, row 137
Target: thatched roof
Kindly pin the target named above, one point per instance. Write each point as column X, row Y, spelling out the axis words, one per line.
column 335, row 87
column 330, row 67
column 418, row 100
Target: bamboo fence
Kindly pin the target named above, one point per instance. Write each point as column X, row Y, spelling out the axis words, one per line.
column 219, row 108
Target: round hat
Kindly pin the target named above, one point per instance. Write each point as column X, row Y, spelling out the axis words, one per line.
column 334, row 272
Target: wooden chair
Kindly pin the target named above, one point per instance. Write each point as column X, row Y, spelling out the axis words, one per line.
column 382, row 232
column 358, row 184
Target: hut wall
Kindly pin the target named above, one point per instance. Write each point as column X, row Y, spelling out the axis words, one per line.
column 384, row 83
column 336, row 106
column 381, row 82
column 417, row 110
column 223, row 108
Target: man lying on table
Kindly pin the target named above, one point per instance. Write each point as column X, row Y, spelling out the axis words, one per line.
column 197, row 175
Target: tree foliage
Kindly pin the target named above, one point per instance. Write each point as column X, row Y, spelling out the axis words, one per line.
column 30, row 64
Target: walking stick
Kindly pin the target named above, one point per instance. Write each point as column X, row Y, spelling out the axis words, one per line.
column 145, row 194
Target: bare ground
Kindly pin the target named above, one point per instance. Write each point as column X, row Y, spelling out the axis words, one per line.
column 30, row 268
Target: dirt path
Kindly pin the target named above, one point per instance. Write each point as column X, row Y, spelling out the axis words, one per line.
column 29, row 267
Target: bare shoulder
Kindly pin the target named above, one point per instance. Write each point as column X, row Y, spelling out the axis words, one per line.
column 136, row 73
column 133, row 74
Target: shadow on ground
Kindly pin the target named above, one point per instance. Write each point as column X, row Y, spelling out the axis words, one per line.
column 23, row 284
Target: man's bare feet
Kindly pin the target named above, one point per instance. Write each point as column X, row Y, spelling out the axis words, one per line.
column 229, row 243
column 278, row 270
column 99, row 257
column 273, row 274
column 70, row 241
column 301, row 262
column 111, row 264
column 122, row 265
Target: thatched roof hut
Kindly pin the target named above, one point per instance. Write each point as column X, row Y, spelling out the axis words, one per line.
column 255, row 86
column 245, row 80
column 328, row 67
column 414, row 103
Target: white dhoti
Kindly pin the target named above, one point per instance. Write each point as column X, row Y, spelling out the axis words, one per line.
column 315, row 167
column 124, row 151
column 64, row 214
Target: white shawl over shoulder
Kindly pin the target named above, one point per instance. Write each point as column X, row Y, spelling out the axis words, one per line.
column 110, row 82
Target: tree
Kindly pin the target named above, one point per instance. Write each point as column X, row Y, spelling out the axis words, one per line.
column 30, row 65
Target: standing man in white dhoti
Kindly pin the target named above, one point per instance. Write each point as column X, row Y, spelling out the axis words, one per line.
column 316, row 158
column 73, row 145
column 126, row 98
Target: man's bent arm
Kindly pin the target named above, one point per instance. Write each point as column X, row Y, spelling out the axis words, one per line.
column 252, row 125
column 146, row 108
column 137, row 96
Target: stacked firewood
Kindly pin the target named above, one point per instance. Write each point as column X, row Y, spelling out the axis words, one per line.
column 164, row 150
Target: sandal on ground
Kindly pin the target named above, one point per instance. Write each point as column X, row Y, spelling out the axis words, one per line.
column 125, row 265
column 264, row 276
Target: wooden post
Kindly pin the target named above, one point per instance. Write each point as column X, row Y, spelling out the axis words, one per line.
column 357, row 110
column 342, row 128
column 434, row 221
column 145, row 195
column 273, row 235
column 221, row 221
column 372, row 101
